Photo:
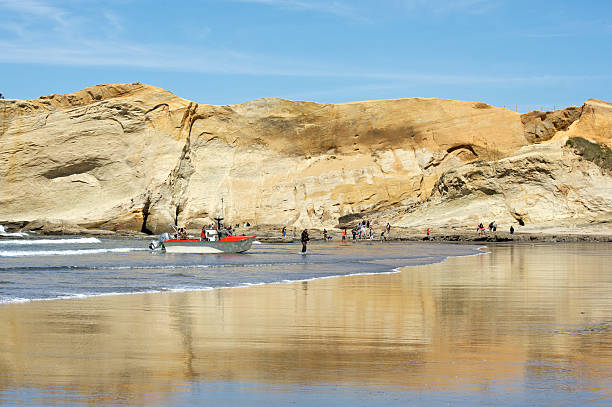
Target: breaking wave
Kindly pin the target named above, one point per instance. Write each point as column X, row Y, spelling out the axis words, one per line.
column 3, row 232
column 82, row 240
column 20, row 253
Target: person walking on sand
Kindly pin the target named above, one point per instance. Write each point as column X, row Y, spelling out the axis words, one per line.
column 511, row 229
column 427, row 233
column 344, row 235
column 325, row 235
column 284, row 230
column 304, row 240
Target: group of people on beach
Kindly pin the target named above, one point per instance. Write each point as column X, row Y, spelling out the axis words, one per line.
column 362, row 231
column 284, row 232
column 359, row 230
column 480, row 229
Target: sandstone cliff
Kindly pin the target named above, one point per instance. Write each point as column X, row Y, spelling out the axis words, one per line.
column 138, row 157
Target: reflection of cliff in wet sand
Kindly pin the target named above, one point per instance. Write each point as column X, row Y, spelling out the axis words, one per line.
column 509, row 327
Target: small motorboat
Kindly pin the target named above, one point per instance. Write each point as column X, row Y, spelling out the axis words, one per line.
column 215, row 240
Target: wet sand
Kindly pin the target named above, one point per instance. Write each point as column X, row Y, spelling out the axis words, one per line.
column 522, row 325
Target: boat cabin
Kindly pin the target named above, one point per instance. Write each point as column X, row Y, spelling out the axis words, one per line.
column 211, row 235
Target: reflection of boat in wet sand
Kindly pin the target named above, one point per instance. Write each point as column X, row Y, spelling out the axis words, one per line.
column 215, row 240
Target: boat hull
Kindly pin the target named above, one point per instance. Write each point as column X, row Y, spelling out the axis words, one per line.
column 230, row 244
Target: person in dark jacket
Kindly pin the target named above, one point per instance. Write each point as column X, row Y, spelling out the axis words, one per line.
column 304, row 240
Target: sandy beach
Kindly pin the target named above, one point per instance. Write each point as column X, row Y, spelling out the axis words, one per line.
column 522, row 324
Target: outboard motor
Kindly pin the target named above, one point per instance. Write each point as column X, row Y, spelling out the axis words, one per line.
column 159, row 243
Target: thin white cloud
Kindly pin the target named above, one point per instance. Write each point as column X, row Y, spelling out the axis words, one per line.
column 547, row 35
column 449, row 6
column 339, row 8
column 563, row 28
column 363, row 10
column 37, row 9
column 184, row 59
column 14, row 28
column 73, row 47
column 113, row 21
column 333, row 7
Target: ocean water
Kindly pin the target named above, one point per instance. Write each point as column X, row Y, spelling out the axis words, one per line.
column 35, row 268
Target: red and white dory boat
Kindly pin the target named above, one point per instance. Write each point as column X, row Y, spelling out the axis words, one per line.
column 216, row 240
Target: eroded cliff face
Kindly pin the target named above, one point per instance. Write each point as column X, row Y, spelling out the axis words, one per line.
column 539, row 185
column 137, row 157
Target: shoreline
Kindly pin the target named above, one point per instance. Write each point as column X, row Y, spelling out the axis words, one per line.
column 474, row 238
column 271, row 234
column 446, row 239
column 480, row 250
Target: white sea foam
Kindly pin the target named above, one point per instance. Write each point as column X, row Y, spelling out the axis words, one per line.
column 158, row 266
column 3, row 232
column 76, row 296
column 188, row 289
column 21, row 253
column 82, row 240
column 4, row 300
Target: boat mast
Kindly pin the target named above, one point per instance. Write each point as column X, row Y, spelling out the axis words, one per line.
column 220, row 218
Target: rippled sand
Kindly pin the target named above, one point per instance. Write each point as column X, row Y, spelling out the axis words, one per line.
column 520, row 325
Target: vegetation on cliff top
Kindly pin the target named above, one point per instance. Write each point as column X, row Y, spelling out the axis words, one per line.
column 599, row 154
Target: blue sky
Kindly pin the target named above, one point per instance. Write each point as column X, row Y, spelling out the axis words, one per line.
column 525, row 53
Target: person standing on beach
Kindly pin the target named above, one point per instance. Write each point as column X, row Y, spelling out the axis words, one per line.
column 325, row 235
column 511, row 229
column 284, row 230
column 344, row 235
column 427, row 233
column 304, row 240
column 480, row 229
